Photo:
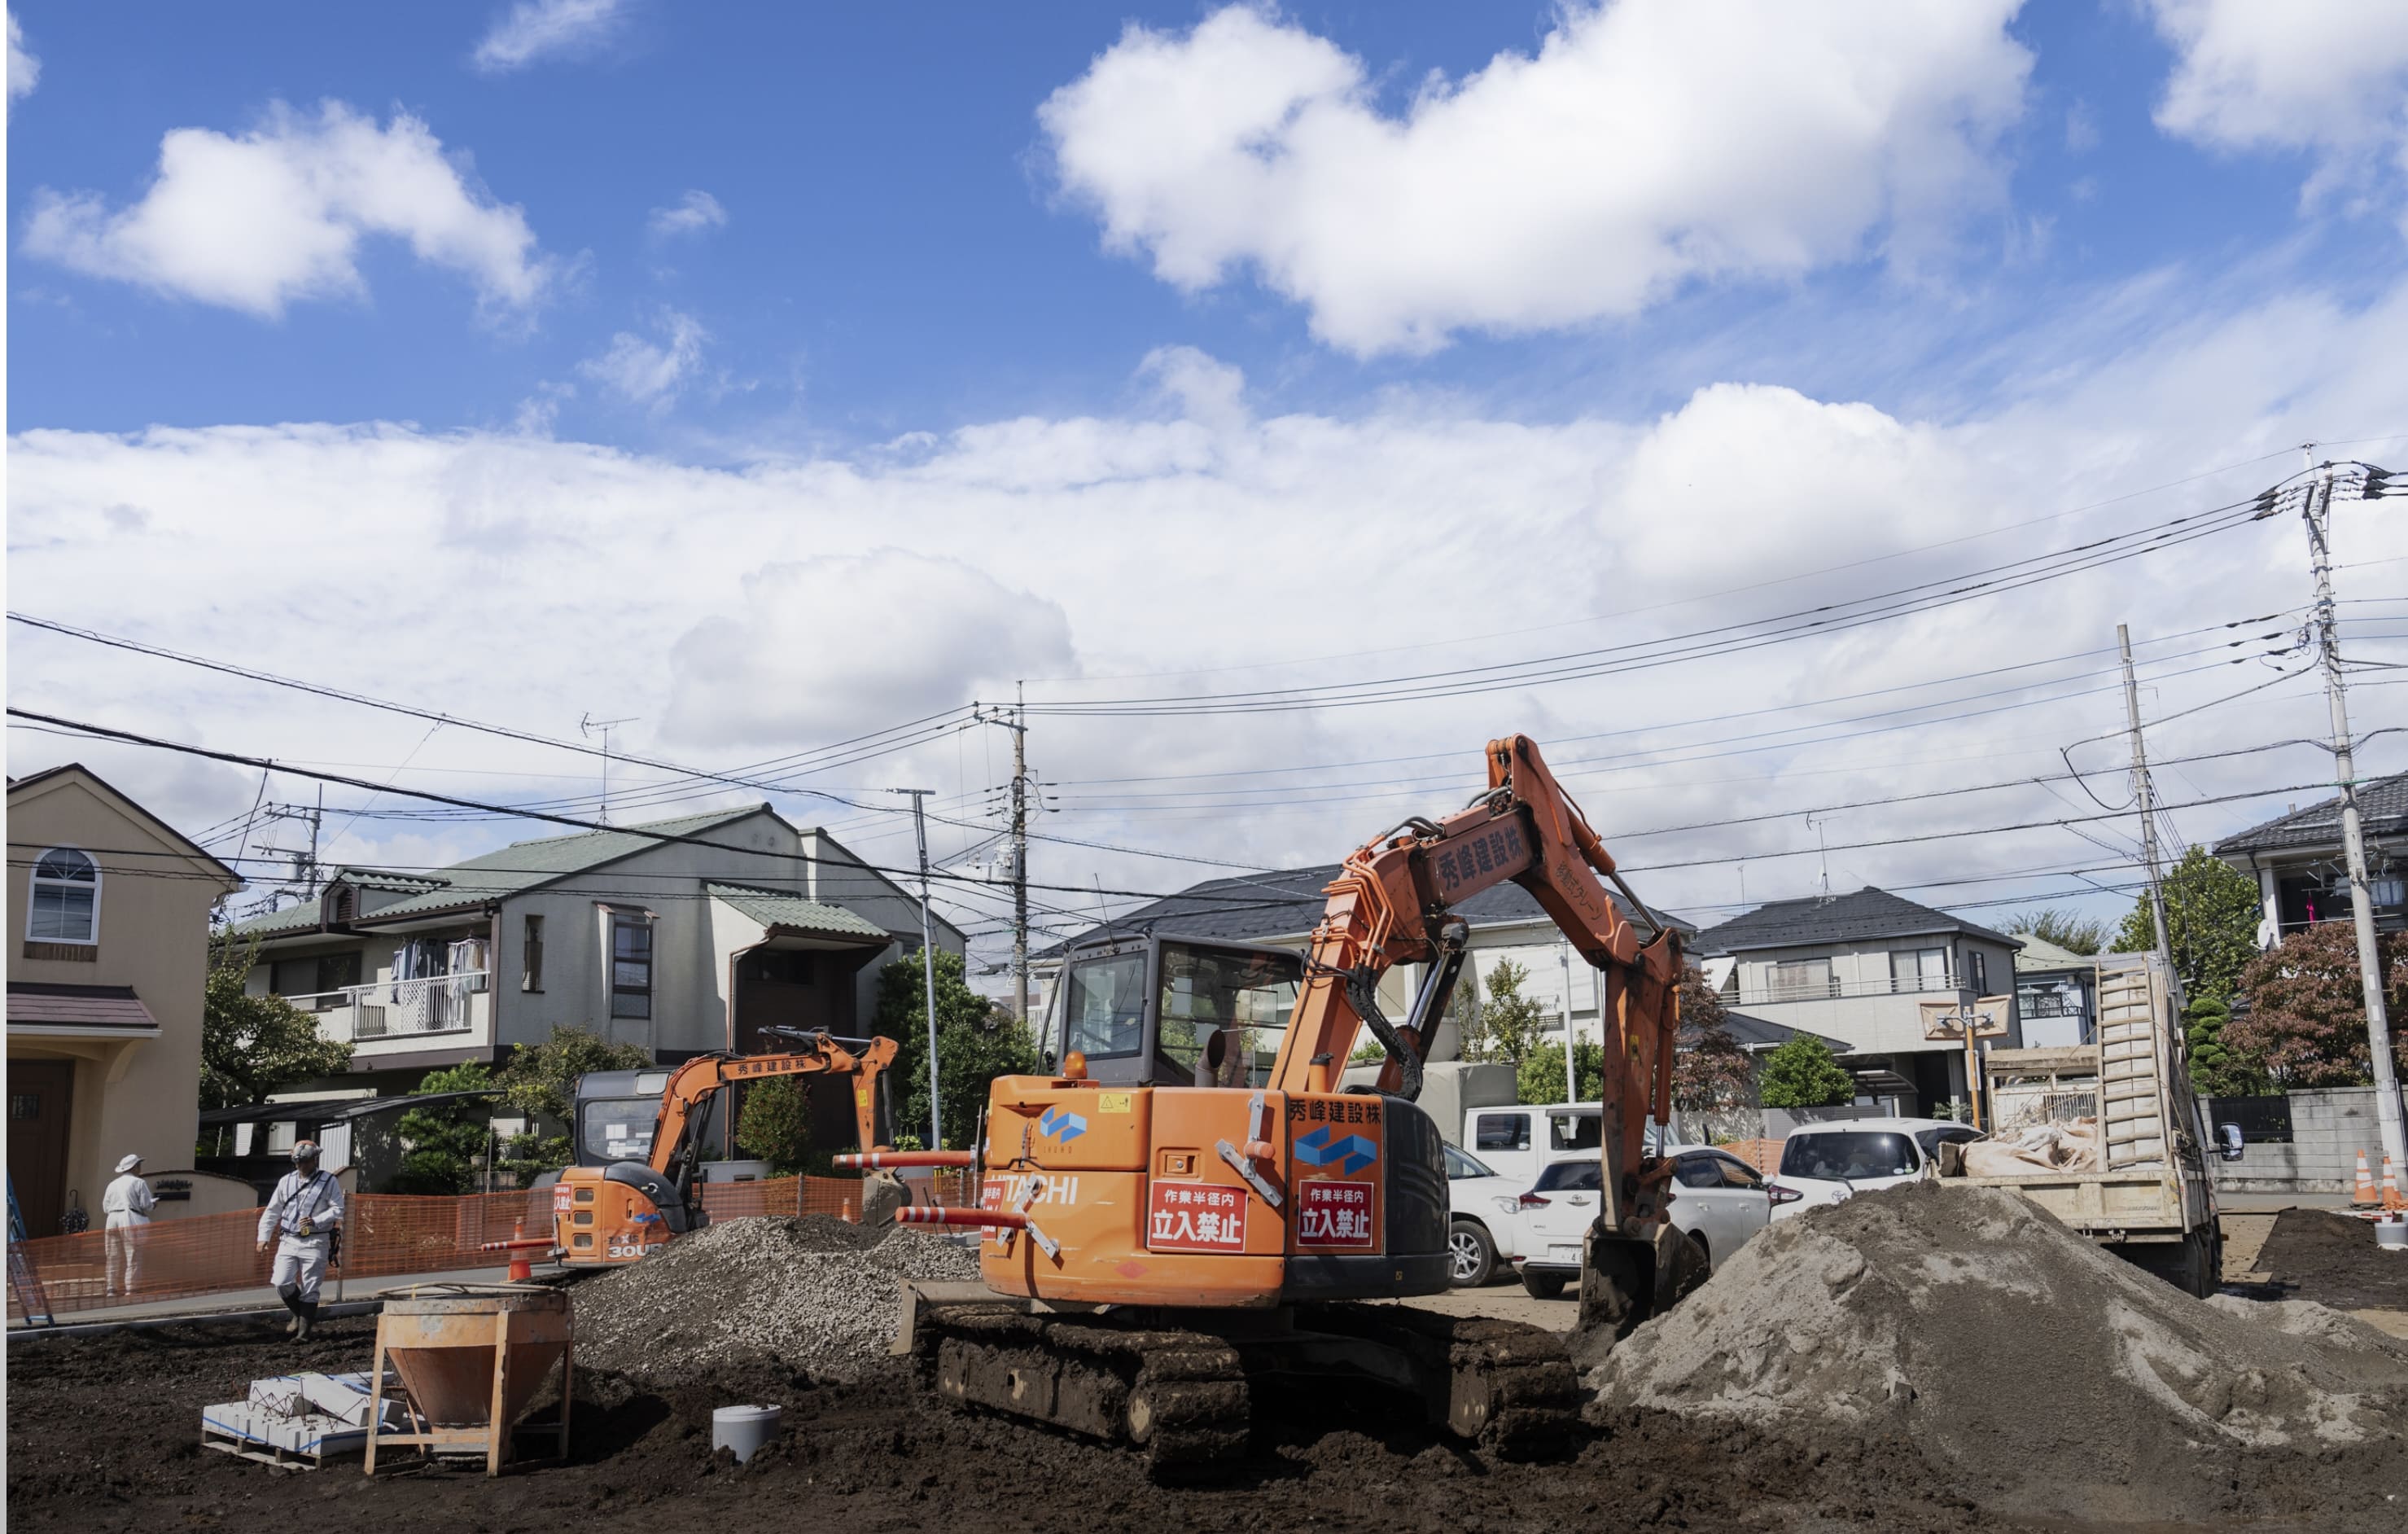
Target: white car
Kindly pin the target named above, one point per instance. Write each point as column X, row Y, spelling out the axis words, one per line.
column 1483, row 1228
column 1718, row 1201
column 1519, row 1140
column 1827, row 1163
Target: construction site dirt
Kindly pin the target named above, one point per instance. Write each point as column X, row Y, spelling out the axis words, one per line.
column 101, row 1436
column 2333, row 1259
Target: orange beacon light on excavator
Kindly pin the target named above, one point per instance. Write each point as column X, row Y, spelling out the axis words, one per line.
column 638, row 1140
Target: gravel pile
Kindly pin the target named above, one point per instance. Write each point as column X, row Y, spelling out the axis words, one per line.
column 816, row 1293
column 2037, row 1371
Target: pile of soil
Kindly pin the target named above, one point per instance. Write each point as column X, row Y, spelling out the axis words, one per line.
column 2332, row 1258
column 813, row 1293
column 2026, row 1366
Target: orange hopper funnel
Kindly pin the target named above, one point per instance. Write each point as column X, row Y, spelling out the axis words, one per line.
column 446, row 1340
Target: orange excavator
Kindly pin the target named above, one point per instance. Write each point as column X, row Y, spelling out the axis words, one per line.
column 1175, row 1249
column 639, row 1155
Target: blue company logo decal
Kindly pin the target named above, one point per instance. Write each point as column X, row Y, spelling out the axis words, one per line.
column 1058, row 1125
column 1353, row 1154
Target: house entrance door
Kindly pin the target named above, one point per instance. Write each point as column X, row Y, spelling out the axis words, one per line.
column 39, row 1092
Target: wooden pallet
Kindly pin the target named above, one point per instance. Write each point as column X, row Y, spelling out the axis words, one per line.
column 270, row 1453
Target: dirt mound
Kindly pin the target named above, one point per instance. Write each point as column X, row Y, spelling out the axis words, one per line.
column 2027, row 1368
column 812, row 1293
column 2332, row 1258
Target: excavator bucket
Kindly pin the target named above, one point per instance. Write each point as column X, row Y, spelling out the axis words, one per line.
column 1625, row 1279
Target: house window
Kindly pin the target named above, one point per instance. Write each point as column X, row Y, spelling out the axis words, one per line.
column 337, row 971
column 1795, row 980
column 1918, row 969
column 531, row 957
column 1981, row 965
column 631, row 964
column 67, row 898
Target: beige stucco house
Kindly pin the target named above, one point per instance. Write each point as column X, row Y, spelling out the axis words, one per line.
column 109, row 923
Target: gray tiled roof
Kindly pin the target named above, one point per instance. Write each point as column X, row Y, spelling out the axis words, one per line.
column 1868, row 913
column 1253, row 906
column 1755, row 1035
column 2382, row 812
column 495, row 876
column 785, row 908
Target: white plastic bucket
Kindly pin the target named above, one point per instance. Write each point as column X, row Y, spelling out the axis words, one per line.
column 744, row 1428
column 2391, row 1235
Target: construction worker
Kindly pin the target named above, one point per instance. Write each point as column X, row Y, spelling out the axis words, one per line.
column 126, row 1209
column 302, row 1217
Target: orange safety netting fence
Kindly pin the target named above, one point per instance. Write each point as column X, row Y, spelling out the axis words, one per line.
column 384, row 1236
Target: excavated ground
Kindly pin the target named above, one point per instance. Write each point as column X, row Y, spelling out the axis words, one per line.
column 2333, row 1259
column 103, row 1434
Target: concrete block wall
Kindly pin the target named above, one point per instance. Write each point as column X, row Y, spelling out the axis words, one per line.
column 2329, row 1127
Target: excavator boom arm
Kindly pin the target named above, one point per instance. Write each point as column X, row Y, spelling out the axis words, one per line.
column 1393, row 903
column 694, row 1083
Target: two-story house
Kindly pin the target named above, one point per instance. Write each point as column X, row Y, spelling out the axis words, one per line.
column 678, row 936
column 2056, row 995
column 1857, row 967
column 2296, row 861
column 1280, row 909
column 109, row 907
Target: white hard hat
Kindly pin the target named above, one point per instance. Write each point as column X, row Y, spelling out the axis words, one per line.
column 128, row 1163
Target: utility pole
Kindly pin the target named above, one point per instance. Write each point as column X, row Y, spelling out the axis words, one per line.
column 588, row 725
column 304, row 864
column 1572, row 1073
column 2148, row 798
column 1017, row 723
column 927, row 964
column 2318, row 516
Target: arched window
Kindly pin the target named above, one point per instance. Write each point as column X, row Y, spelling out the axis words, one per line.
column 67, row 898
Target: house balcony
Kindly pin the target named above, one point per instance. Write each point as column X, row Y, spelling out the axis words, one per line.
column 406, row 1014
column 1835, row 989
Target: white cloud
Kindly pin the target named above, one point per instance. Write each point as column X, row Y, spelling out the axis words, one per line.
column 647, row 372
column 23, row 68
column 1646, row 144
column 1200, row 542
column 2326, row 75
column 277, row 216
column 533, row 30
column 689, row 215
column 943, row 631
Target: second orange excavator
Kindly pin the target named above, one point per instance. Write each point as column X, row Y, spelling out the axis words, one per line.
column 1165, row 1252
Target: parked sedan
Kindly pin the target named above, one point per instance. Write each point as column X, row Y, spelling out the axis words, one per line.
column 1483, row 1227
column 1829, row 1163
column 1718, row 1202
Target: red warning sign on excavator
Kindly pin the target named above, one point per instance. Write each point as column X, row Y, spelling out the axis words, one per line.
column 1334, row 1216
column 1196, row 1217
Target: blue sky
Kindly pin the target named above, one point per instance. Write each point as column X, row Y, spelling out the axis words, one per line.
column 769, row 375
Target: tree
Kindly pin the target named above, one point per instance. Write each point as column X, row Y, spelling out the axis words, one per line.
column 2216, row 1069
column 253, row 1045
column 540, row 1080
column 775, row 1123
column 2211, row 915
column 1509, row 1023
column 976, row 1042
column 1710, row 1070
column 1540, row 1078
column 2306, row 1022
column 2072, row 933
column 447, row 1142
column 1802, row 1074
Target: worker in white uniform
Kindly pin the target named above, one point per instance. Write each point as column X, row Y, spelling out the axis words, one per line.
column 126, row 1209
column 301, row 1217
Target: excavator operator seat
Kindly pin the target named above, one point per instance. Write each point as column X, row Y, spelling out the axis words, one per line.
column 1173, row 1011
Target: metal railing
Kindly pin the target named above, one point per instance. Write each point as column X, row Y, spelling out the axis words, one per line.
column 1834, row 988
column 434, row 1004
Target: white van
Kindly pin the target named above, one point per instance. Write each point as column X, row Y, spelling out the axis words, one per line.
column 1827, row 1163
column 1520, row 1141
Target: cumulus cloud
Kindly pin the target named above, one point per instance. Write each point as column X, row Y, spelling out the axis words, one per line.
column 24, row 69
column 692, row 214
column 2329, row 77
column 277, row 215
column 944, row 631
column 1646, row 144
column 535, row 30
column 650, row 372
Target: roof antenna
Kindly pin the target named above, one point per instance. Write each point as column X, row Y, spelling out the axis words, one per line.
column 1816, row 820
column 588, row 726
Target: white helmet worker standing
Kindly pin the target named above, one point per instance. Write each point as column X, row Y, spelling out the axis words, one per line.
column 302, row 1217
column 126, row 1208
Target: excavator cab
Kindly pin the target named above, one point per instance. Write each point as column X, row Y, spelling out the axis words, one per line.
column 1173, row 1011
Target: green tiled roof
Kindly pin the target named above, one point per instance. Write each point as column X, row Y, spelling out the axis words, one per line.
column 785, row 908
column 494, row 876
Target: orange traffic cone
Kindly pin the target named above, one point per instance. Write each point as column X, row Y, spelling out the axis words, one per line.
column 2365, row 1194
column 2391, row 1196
